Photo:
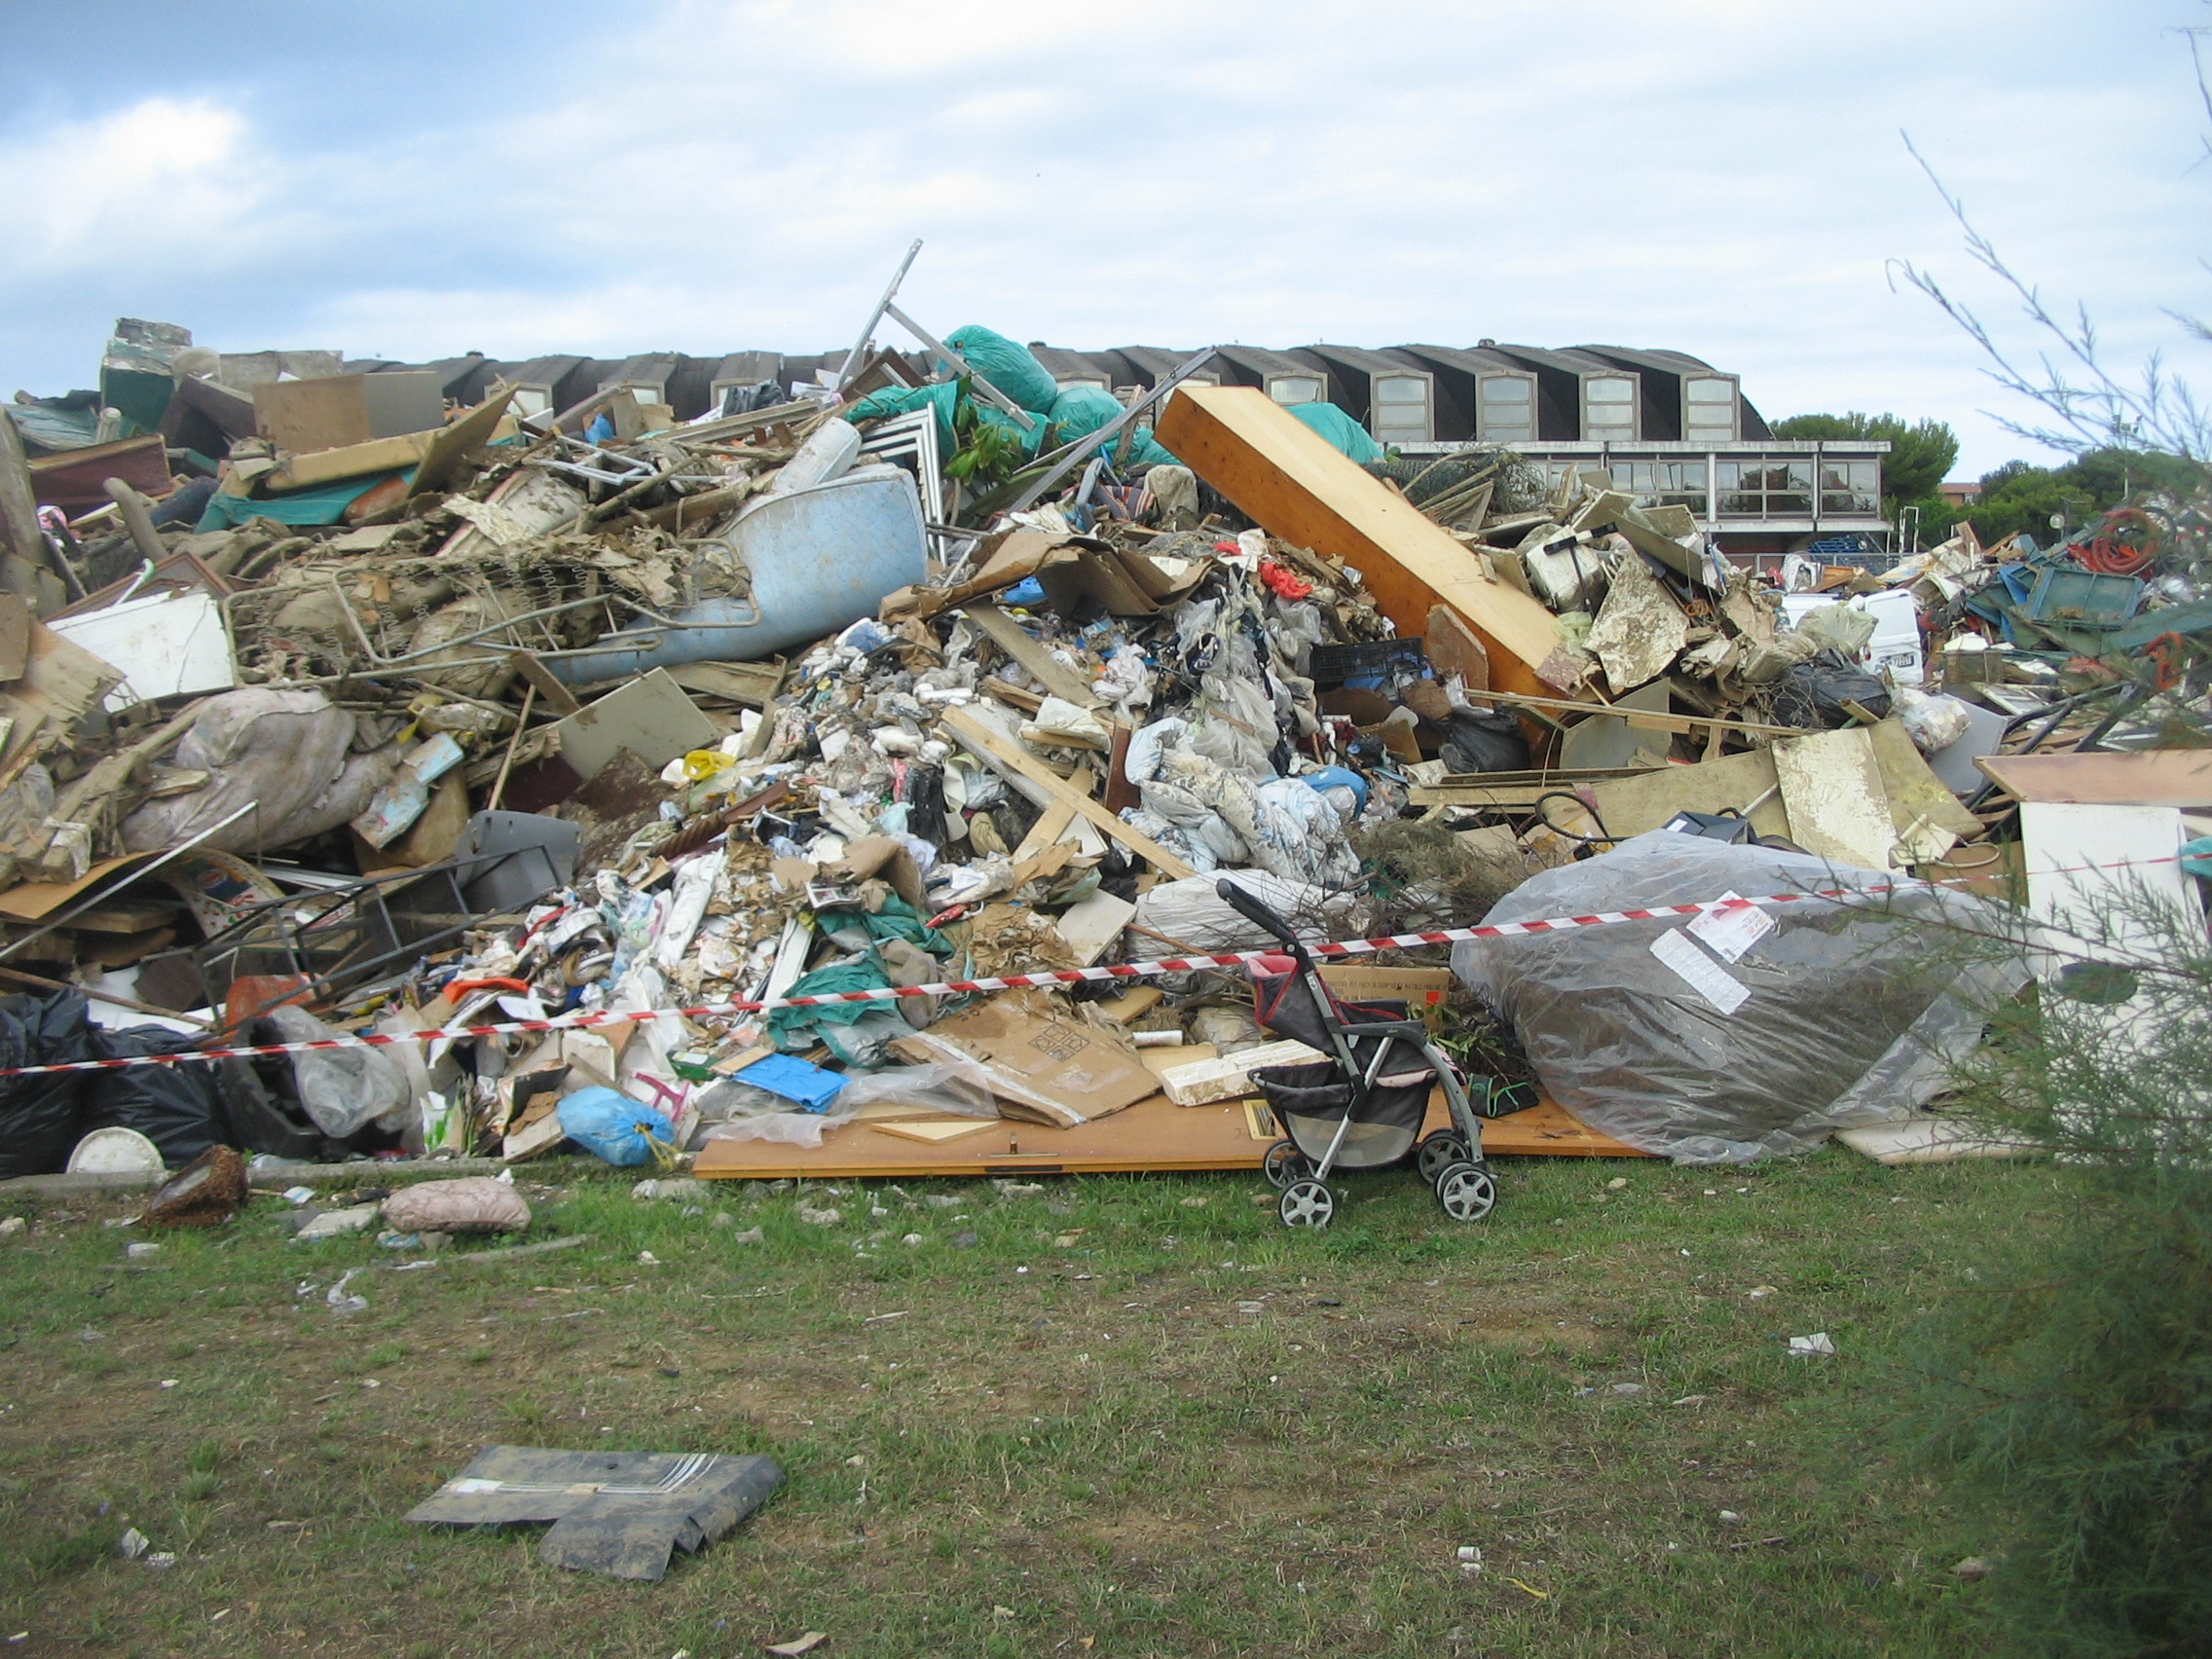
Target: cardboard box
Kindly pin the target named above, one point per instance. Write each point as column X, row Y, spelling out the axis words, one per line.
column 1422, row 991
column 332, row 412
column 1042, row 1066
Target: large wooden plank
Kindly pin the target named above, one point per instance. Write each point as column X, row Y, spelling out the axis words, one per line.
column 1151, row 1137
column 2158, row 777
column 1004, row 755
column 1295, row 485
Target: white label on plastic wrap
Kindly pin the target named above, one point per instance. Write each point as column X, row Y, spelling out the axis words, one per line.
column 1700, row 971
column 1728, row 934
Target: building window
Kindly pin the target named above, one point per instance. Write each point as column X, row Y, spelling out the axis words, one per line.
column 1665, row 483
column 1709, row 409
column 1636, row 478
column 1608, row 408
column 1400, row 412
column 1506, row 409
column 1851, row 487
column 1295, row 389
column 1079, row 380
column 1770, row 488
column 532, row 400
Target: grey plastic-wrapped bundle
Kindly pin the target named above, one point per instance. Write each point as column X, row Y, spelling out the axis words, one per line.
column 1847, row 1012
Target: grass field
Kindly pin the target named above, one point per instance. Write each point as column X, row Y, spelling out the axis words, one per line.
column 1117, row 1417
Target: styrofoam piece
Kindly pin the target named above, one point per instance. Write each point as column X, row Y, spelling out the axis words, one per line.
column 166, row 643
column 114, row 1151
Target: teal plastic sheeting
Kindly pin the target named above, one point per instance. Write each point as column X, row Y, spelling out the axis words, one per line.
column 1345, row 436
column 1005, row 365
column 1082, row 410
column 326, row 505
column 941, row 399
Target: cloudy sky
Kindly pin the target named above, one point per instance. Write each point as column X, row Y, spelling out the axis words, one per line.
column 417, row 178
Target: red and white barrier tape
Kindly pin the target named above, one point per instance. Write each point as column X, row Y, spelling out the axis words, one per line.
column 585, row 1021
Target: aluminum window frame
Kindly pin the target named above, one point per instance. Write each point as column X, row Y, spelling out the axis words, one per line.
column 1531, row 423
column 1425, row 403
column 1632, row 431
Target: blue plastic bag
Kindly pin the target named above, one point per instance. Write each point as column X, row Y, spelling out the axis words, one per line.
column 613, row 1126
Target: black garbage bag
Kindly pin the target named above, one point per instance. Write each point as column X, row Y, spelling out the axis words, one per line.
column 179, row 1108
column 1484, row 740
column 1813, row 693
column 39, row 1117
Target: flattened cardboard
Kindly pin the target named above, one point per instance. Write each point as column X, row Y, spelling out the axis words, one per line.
column 1074, row 568
column 1043, row 1065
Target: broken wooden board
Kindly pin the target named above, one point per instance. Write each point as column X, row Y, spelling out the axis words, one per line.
column 1925, row 813
column 1640, row 628
column 2158, row 777
column 1452, row 647
column 1512, row 792
column 464, row 432
column 753, row 684
column 1629, row 806
column 1832, row 789
column 1297, row 486
column 15, row 637
column 1153, row 1135
column 650, row 716
column 1228, row 1076
column 1003, row 755
column 936, row 1131
column 353, row 461
column 1035, row 661
column 61, row 682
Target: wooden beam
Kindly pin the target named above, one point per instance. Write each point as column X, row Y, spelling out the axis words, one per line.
column 1052, row 826
column 1299, row 488
column 1011, row 761
column 1040, row 664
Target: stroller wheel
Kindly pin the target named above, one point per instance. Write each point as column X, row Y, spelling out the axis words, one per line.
column 1307, row 1204
column 1467, row 1191
column 1284, row 1163
column 1445, row 1146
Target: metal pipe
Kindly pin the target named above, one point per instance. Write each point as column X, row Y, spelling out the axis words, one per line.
column 859, row 346
column 135, row 518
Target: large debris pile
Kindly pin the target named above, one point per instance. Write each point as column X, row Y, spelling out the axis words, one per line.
column 495, row 719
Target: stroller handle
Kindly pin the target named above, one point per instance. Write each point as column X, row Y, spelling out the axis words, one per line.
column 1252, row 910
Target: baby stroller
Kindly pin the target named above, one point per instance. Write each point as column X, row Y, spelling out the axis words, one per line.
column 1363, row 1107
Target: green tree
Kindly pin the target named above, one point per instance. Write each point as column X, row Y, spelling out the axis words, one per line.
column 2022, row 496
column 1922, row 454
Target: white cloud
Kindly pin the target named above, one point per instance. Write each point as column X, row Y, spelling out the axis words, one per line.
column 165, row 177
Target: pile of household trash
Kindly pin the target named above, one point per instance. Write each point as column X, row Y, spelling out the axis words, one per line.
column 406, row 719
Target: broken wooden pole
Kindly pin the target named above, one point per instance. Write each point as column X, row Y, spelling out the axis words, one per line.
column 20, row 534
